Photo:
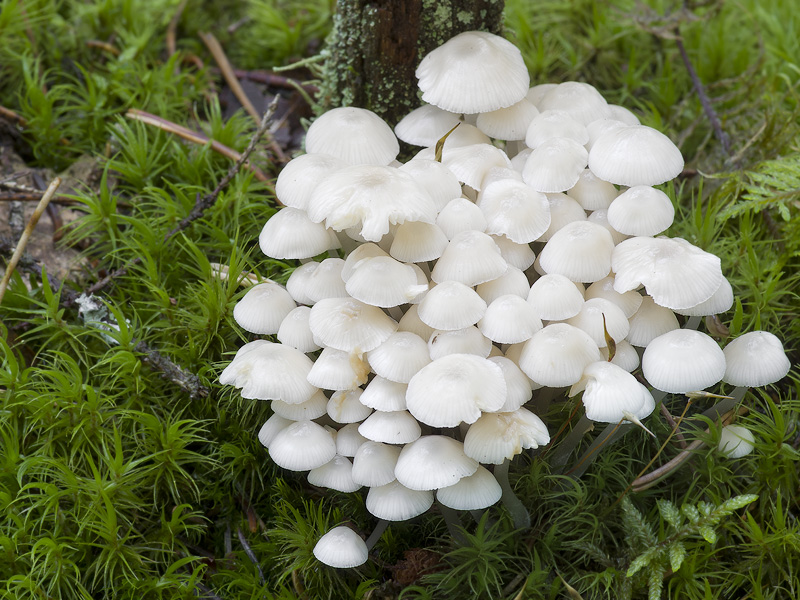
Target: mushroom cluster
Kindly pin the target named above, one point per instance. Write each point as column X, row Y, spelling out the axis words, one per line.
column 525, row 254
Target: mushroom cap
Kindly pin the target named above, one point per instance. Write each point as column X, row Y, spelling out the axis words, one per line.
column 591, row 192
column 301, row 175
column 473, row 72
column 349, row 325
column 268, row 371
column 385, row 395
column 424, row 126
column 345, row 406
column 341, row 548
column 641, row 210
column 325, row 281
column 581, row 100
column 471, row 257
column 355, row 135
column 509, row 123
column 451, row 305
column 513, row 281
column 555, row 165
column 469, row 340
column 458, row 215
column 509, row 320
column 400, row 356
column 515, row 210
column 580, row 251
column 610, row 393
column 295, row 332
column 598, row 315
column 736, row 441
column 719, row 302
column 395, row 502
column 372, row 197
column 555, row 297
column 395, row 427
column 432, row 462
column 455, row 389
column 437, row 179
column 305, row 411
column 629, row 302
column 417, row 241
column 518, row 387
column 373, row 464
column 349, row 440
column 262, row 309
column 683, row 360
column 302, row 446
column 290, row 233
column 557, row 355
column 474, row 492
column 337, row 474
column 675, row 273
column 496, row 437
column 649, row 322
column 383, row 281
column 755, row 359
column 563, row 210
column 635, row 155
column 555, row 124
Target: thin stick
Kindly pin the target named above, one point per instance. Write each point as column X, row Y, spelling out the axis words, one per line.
column 104, row 46
column 674, row 426
column 195, row 137
column 704, row 99
column 23, row 240
column 173, row 26
column 250, row 554
column 201, row 204
column 273, row 79
column 227, row 72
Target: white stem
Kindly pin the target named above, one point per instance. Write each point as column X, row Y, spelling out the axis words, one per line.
column 519, row 514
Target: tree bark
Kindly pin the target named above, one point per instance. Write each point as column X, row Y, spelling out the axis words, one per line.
column 376, row 45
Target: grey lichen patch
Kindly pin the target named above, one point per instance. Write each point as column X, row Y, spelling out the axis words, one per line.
column 464, row 17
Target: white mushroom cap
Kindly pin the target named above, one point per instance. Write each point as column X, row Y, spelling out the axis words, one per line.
column 591, row 192
column 649, row 322
column 295, row 332
column 683, row 360
column 272, row 427
column 676, row 274
column 600, row 217
column 471, row 163
column 336, row 475
column 509, row 123
column 590, row 320
column 424, row 126
column 518, row 387
column 290, row 233
column 515, row 210
column 385, row 395
column 263, row 307
column 496, row 437
column 338, row 370
column 580, row 251
column 635, row 155
column 557, row 355
column 625, row 356
column 416, row 241
column 373, row 197
column 736, row 441
column 354, row 135
column 513, row 281
column 563, row 210
column 349, row 325
column 297, row 284
column 326, row 280
column 641, row 210
column 755, row 359
column 460, row 341
column 537, row 92
column 360, row 253
column 341, row 548
column 474, row 492
column 599, row 127
column 473, row 72
column 455, row 389
column 302, row 446
column 437, row 179
column 611, row 394
column 305, row 411
column 516, row 255
column 451, row 305
column 720, row 301
column 555, row 165
column 510, row 320
column 460, row 215
column 349, row 440
column 629, row 302
column 268, row 371
column 555, row 124
column 580, row 100
column 301, row 175
column 395, row 502
column 373, row 464
column 432, row 462
column 471, row 257
column 412, row 323
column 400, row 356
column 555, row 297
column 345, row 407
column 620, row 113
column 382, row 281
column 395, row 427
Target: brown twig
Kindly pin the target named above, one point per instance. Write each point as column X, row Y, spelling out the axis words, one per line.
column 230, row 78
column 26, row 235
column 202, row 203
column 194, row 137
column 104, row 46
column 173, row 26
column 673, row 425
column 701, row 93
column 274, row 80
column 23, row 122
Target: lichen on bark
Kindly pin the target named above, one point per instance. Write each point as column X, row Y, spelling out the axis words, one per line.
column 375, row 47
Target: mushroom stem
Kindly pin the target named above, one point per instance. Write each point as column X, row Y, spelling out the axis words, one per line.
column 519, row 514
column 453, row 523
column 692, row 323
column 377, row 533
column 565, row 448
column 726, row 405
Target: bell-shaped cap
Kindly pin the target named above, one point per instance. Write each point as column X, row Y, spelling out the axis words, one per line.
column 555, row 124
column 432, row 462
column 373, row 464
column 557, row 355
column 417, row 241
column 555, row 165
column 437, row 179
column 509, row 123
column 591, row 192
column 341, row 548
column 611, row 394
column 635, row 155
column 475, row 492
column 581, row 100
column 555, row 297
column 295, row 332
column 290, row 233
column 455, row 389
column 683, row 360
column 563, row 210
column 580, row 251
column 400, row 356
column 736, row 441
column 649, row 322
column 355, row 135
column 460, row 214
column 301, row 175
column 395, row 427
column 641, row 210
column 302, row 446
column 424, row 126
column 262, row 309
column 755, row 359
column 469, row 340
column 395, row 502
column 598, row 316
column 510, row 320
column 451, row 305
column 383, row 281
column 629, row 302
column 305, row 411
column 338, row 370
column 471, row 257
column 515, row 210
column 349, row 325
column 337, row 474
column 473, row 72
column 513, row 281
column 496, row 437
